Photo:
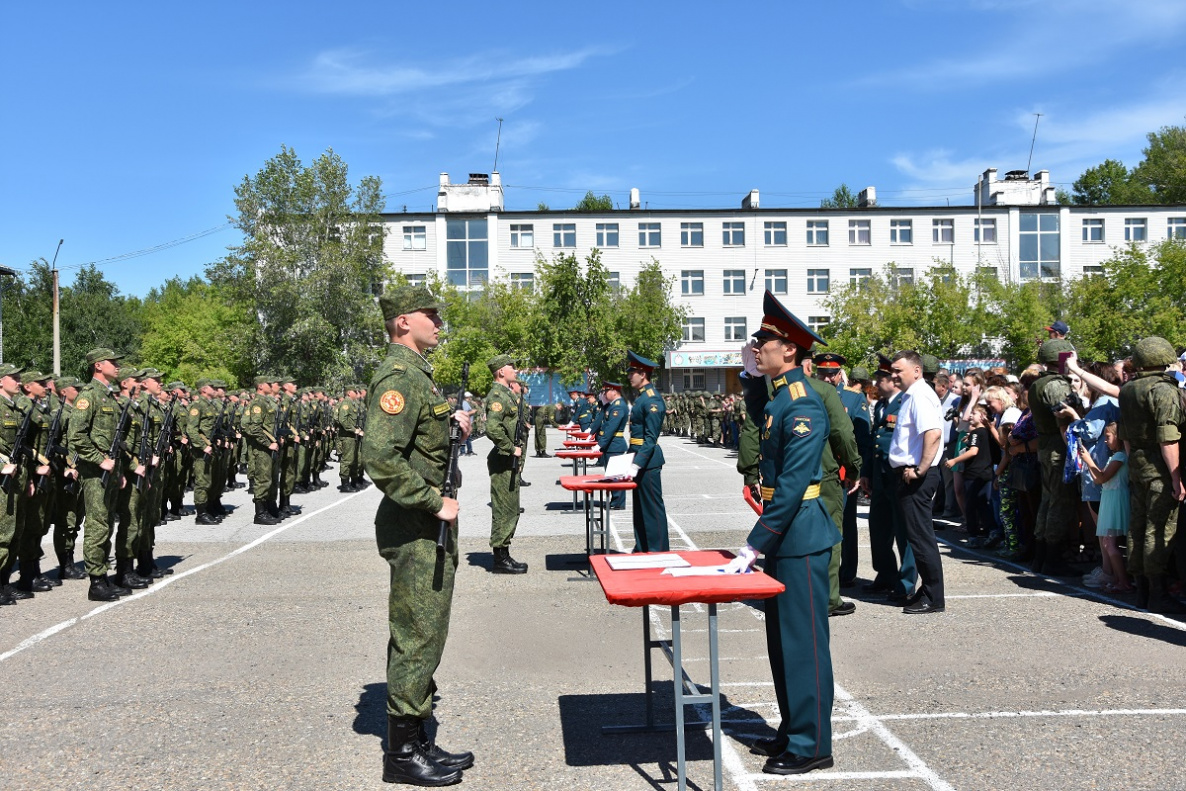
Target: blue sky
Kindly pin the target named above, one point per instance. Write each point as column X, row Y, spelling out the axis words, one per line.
column 124, row 130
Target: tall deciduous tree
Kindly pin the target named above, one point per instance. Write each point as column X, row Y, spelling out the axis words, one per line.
column 648, row 320
column 1109, row 183
column 191, row 330
column 574, row 325
column 1164, row 168
column 309, row 268
column 593, row 202
column 842, row 198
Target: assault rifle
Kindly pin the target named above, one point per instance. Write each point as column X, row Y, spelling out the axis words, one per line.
column 279, row 428
column 165, row 439
column 452, row 474
column 54, row 450
column 117, row 443
column 20, row 449
column 144, row 449
column 361, row 421
column 520, row 441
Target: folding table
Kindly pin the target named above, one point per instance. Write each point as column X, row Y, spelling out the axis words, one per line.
column 596, row 524
column 580, row 464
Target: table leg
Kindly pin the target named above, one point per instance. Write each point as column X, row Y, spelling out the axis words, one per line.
column 677, row 664
column 715, row 681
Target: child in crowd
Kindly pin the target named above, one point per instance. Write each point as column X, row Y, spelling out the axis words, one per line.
column 1112, row 523
column 977, row 476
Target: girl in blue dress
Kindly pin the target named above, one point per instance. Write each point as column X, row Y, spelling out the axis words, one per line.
column 1113, row 516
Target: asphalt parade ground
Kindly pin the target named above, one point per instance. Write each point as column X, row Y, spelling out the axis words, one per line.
column 260, row 664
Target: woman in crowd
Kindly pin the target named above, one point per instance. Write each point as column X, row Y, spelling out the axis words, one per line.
column 1005, row 414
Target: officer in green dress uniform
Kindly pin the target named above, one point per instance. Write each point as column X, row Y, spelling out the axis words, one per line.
column 796, row 534
column 1058, row 513
column 611, row 436
column 1152, row 423
column 502, row 414
column 646, row 423
column 406, row 453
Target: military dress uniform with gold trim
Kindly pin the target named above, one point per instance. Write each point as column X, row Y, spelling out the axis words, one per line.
column 611, row 441
column 650, row 514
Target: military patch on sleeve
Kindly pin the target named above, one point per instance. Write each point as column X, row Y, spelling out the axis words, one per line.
column 193, row 412
column 255, row 410
column 81, row 403
column 801, row 426
column 496, row 407
column 346, row 407
column 392, row 402
column 654, row 408
column 441, row 409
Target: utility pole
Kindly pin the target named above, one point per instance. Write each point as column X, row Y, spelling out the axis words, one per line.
column 57, row 314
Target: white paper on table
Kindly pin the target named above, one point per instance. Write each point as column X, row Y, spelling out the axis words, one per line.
column 696, row 571
column 617, row 469
column 634, row 562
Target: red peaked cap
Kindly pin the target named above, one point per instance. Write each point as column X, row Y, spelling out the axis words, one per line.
column 778, row 322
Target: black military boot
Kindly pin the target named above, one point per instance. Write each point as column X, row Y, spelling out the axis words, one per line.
column 119, row 590
column 10, row 589
column 1039, row 556
column 462, row 760
column 126, row 578
column 406, row 762
column 6, row 598
column 274, row 509
column 286, row 508
column 505, row 564
column 146, row 566
column 262, row 517
column 346, row 487
column 1160, row 599
column 1143, row 591
column 101, row 590
column 66, row 568
column 204, row 518
column 31, row 580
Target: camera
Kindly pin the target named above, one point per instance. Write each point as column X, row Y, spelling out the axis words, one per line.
column 952, row 413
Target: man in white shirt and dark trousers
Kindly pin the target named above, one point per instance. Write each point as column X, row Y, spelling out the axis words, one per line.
column 915, row 451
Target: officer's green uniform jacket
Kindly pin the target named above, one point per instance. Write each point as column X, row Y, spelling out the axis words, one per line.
column 406, row 447
column 646, row 423
column 856, row 406
column 885, row 419
column 611, row 436
column 794, row 433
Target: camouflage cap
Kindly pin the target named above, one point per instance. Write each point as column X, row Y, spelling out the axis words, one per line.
column 407, row 299
column 128, row 372
column 102, row 353
column 262, row 379
column 930, row 364
column 175, row 385
column 218, row 384
column 10, row 370
column 34, row 376
column 203, row 382
column 1049, row 351
column 860, row 374
column 67, row 381
column 288, row 380
column 151, row 373
column 499, row 361
column 1149, row 353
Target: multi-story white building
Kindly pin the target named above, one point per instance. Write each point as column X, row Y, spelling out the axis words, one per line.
column 723, row 259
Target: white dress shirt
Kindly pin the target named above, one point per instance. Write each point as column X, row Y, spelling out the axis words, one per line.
column 920, row 412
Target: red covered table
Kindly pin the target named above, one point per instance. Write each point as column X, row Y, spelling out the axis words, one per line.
column 596, row 524
column 580, row 464
column 580, row 443
column 646, row 587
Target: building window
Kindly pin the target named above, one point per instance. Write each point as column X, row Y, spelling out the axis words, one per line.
column 694, row 379
column 818, row 281
column 989, row 272
column 903, row 276
column 901, row 232
column 691, row 282
column 817, row 233
column 1093, row 230
column 1135, row 229
column 985, row 231
column 415, row 280
column 858, row 232
column 1038, row 242
column 942, row 231
column 523, row 236
column 776, row 234
column 776, row 281
column 734, row 282
column 858, row 277
column 523, row 280
column 615, row 282
column 564, row 234
column 691, row 234
column 817, row 323
column 466, row 253
column 735, row 329
column 415, row 237
column 607, row 234
column 733, row 234
column 649, row 234
column 1177, row 228
column 1093, row 270
column 693, row 330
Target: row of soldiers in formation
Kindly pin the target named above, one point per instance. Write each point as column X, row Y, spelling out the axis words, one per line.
column 114, row 456
column 708, row 418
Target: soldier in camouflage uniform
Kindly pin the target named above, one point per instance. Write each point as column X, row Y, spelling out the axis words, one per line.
column 346, row 419
column 1058, row 513
column 199, row 426
column 10, row 419
column 179, row 467
column 406, row 452
column 502, row 411
column 259, row 423
column 33, row 507
column 147, row 511
column 1152, row 423
column 545, row 415
column 67, row 505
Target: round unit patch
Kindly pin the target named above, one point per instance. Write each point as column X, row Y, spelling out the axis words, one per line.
column 255, row 410
column 392, row 402
column 81, row 403
column 496, row 407
column 193, row 412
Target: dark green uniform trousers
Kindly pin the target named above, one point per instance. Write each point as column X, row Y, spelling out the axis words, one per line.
column 650, row 514
column 1153, row 514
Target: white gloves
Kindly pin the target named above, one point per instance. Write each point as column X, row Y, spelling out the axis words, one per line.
column 633, row 471
column 749, row 359
column 743, row 562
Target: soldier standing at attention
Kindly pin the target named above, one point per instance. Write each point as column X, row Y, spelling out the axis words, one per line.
column 292, row 404
column 92, row 431
column 1152, row 423
column 346, row 420
column 611, row 437
column 544, row 414
column 33, row 507
column 406, row 453
column 796, row 534
column 259, row 420
column 199, row 426
column 10, row 420
column 646, row 423
column 502, row 411
column 67, row 495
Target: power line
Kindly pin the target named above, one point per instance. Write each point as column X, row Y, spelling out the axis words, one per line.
column 155, row 248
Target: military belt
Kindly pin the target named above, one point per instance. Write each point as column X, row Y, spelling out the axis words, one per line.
column 812, row 492
column 634, row 441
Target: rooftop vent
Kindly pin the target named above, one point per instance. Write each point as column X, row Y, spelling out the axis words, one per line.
column 479, row 179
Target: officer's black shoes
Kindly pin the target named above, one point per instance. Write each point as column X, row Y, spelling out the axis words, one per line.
column 875, row 587
column 407, row 762
column 262, row 517
column 922, row 607
column 5, row 598
column 770, row 747
column 101, row 590
column 524, row 483
column 791, row 764
column 462, row 760
column 505, row 564
column 843, row 608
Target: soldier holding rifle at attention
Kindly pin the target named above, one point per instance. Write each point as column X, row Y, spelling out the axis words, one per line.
column 406, row 452
column 503, row 463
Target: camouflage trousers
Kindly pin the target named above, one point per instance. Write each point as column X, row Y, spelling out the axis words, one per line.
column 34, row 515
column 541, row 439
column 259, row 473
column 1153, row 514
column 1058, row 513
column 504, row 500
column 11, row 526
column 418, row 606
column 349, row 461
column 100, row 502
column 68, row 513
column 203, row 478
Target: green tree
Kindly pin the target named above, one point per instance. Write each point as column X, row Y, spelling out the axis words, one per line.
column 574, row 327
column 842, row 198
column 192, row 331
column 1163, row 169
column 308, row 269
column 1109, row 183
column 647, row 319
column 593, row 202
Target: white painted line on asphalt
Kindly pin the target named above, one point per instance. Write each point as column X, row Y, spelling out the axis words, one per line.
column 1038, row 594
column 1083, row 591
column 993, row 715
column 680, row 446
column 164, row 582
column 814, row 777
